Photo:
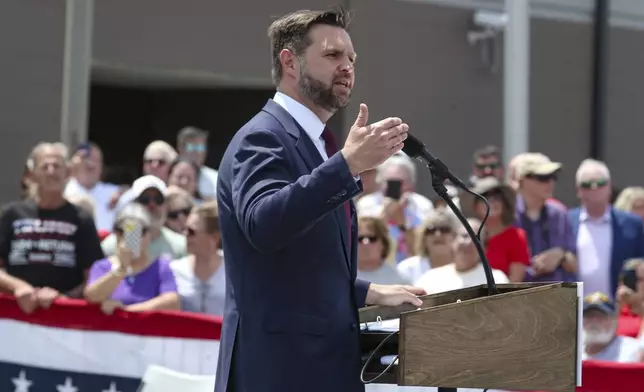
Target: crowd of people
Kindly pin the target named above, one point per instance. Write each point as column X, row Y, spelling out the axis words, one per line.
column 155, row 244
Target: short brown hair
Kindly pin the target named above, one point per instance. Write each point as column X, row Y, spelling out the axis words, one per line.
column 381, row 232
column 208, row 212
column 292, row 32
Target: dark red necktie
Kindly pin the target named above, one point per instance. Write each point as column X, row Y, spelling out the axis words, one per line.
column 331, row 148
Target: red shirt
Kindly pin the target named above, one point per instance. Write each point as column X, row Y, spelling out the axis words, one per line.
column 509, row 246
column 628, row 323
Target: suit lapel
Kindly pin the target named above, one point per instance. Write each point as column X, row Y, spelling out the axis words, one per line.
column 313, row 159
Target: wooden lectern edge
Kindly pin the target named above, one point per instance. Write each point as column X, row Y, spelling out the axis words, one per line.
column 521, row 290
column 526, row 291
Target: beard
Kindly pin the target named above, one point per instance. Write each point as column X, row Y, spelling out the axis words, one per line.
column 319, row 93
column 599, row 335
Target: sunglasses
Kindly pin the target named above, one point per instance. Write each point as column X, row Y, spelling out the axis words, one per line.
column 542, row 177
column 174, row 214
column 593, row 184
column 155, row 162
column 491, row 165
column 496, row 194
column 192, row 147
column 157, row 199
column 440, row 229
column 189, row 232
column 367, row 239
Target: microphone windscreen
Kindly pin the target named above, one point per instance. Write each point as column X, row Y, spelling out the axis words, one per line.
column 413, row 147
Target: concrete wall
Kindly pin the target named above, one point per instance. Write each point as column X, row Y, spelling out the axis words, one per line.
column 414, row 62
column 32, row 37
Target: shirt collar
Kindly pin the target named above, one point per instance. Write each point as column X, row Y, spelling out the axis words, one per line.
column 303, row 115
column 584, row 217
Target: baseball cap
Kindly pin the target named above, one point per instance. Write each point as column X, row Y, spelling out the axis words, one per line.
column 537, row 164
column 132, row 212
column 148, row 182
column 141, row 185
column 599, row 301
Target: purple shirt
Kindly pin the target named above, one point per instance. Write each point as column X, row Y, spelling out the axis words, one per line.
column 153, row 281
column 552, row 230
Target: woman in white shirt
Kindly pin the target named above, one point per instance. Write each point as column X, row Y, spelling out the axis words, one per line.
column 465, row 271
column 200, row 276
column 433, row 246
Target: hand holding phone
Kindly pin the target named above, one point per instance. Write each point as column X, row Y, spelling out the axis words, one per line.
column 630, row 279
column 132, row 234
column 394, row 189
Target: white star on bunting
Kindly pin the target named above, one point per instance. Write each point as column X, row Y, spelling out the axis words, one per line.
column 67, row 387
column 112, row 388
column 21, row 383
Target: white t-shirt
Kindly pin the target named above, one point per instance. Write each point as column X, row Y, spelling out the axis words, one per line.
column 412, row 268
column 208, row 182
column 198, row 296
column 386, row 274
column 101, row 195
column 623, row 349
column 447, row 278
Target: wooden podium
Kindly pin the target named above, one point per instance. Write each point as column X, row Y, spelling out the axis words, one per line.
column 524, row 338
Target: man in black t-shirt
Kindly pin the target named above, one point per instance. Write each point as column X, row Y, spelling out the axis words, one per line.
column 47, row 245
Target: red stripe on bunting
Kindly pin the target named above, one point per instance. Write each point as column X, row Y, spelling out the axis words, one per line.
column 78, row 314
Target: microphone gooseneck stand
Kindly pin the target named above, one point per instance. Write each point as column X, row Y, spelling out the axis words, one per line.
column 440, row 173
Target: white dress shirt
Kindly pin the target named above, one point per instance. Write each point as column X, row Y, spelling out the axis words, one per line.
column 101, row 194
column 594, row 249
column 306, row 118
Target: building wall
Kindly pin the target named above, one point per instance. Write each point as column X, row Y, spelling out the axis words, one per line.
column 32, row 36
column 414, row 62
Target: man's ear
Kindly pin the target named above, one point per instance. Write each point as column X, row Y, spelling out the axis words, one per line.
column 290, row 63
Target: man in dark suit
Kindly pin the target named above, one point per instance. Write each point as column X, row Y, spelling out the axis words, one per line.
column 289, row 226
column 605, row 237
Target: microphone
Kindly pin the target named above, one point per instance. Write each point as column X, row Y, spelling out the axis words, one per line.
column 416, row 149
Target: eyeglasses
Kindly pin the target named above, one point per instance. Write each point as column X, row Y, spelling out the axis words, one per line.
column 174, row 214
column 495, row 194
column 440, row 229
column 195, row 147
column 367, row 239
column 155, row 162
column 157, row 199
column 491, row 165
column 542, row 177
column 593, row 184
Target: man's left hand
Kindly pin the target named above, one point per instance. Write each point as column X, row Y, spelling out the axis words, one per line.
column 394, row 295
column 547, row 261
column 46, row 296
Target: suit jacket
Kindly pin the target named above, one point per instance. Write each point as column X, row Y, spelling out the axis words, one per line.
column 290, row 319
column 628, row 240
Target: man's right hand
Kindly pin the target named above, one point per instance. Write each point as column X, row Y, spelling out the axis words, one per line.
column 26, row 298
column 367, row 146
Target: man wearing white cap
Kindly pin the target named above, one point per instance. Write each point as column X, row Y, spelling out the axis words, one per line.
column 151, row 192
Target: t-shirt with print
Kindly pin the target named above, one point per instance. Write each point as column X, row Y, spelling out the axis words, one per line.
column 48, row 247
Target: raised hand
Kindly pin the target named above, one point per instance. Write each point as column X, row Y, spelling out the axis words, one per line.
column 367, row 146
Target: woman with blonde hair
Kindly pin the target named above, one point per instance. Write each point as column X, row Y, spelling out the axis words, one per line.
column 433, row 246
column 201, row 276
column 374, row 245
column 631, row 199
